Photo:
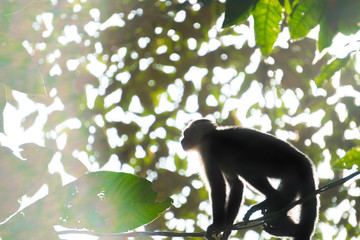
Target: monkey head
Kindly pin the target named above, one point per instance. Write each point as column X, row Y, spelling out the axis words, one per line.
column 195, row 132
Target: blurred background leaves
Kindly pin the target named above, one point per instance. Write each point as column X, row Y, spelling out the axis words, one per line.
column 110, row 85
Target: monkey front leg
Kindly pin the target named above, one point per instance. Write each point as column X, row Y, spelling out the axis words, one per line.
column 218, row 199
column 233, row 203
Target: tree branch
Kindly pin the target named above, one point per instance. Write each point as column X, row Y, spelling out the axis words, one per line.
column 237, row 226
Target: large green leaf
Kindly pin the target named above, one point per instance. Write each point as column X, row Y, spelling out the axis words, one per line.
column 305, row 17
column 100, row 201
column 111, row 202
column 267, row 16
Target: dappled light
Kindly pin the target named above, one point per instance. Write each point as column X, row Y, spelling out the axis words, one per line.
column 91, row 86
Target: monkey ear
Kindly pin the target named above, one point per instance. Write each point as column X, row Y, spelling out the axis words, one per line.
column 214, row 123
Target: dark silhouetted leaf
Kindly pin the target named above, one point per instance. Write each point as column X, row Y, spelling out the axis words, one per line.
column 325, row 35
column 237, row 11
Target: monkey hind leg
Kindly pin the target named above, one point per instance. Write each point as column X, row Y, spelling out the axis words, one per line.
column 284, row 226
column 281, row 226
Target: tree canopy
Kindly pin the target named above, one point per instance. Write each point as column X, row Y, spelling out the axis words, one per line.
column 96, row 93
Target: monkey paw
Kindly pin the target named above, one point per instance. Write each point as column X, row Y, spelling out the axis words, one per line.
column 212, row 230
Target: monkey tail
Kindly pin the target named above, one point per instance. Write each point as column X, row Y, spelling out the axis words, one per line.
column 309, row 214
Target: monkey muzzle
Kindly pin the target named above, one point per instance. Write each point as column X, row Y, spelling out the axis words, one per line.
column 186, row 145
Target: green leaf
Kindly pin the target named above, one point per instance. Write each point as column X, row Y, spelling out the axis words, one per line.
column 100, row 201
column 305, row 16
column 287, row 7
column 329, row 70
column 326, row 35
column 351, row 158
column 111, row 202
column 267, row 16
column 237, row 11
